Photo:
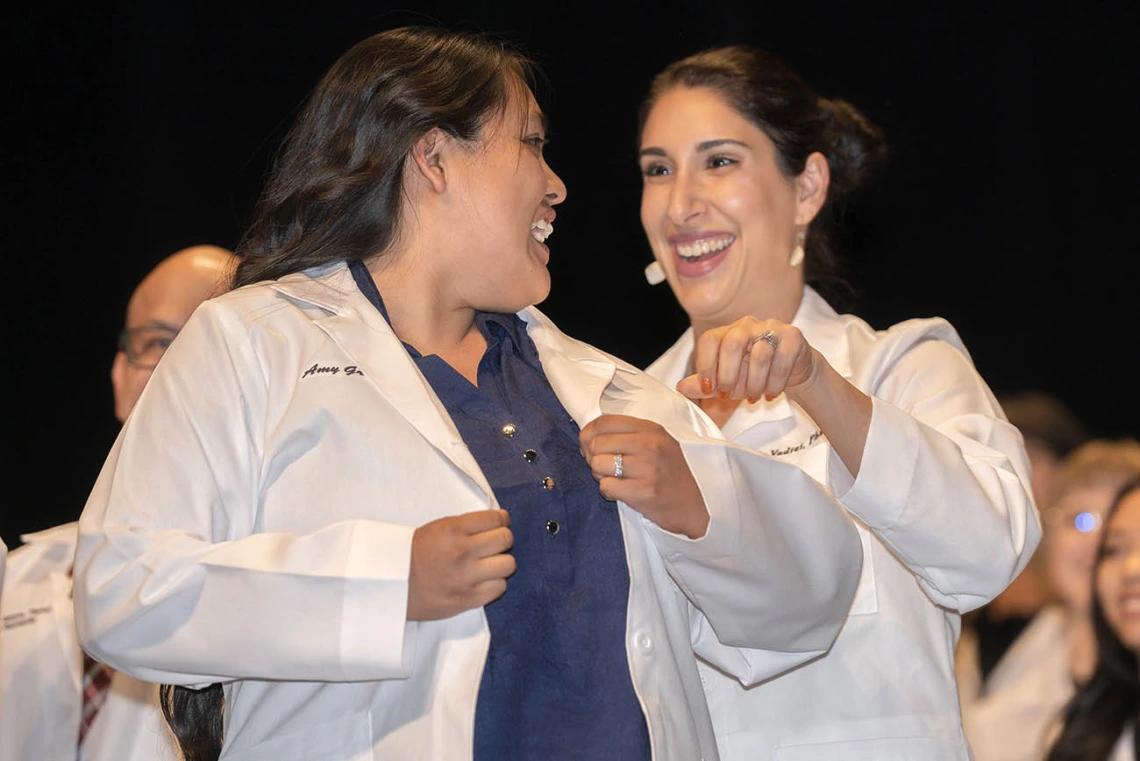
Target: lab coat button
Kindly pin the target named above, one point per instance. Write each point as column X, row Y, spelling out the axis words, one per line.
column 530, row 455
column 548, row 483
column 643, row 642
column 509, row 430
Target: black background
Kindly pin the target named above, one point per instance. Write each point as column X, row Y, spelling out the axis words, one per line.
column 1008, row 208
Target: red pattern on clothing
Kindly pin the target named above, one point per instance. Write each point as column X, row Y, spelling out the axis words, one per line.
column 96, row 685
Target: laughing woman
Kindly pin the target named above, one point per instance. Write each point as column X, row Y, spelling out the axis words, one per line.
column 743, row 166
column 393, row 510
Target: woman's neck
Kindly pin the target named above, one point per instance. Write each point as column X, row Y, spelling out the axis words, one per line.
column 423, row 313
column 782, row 307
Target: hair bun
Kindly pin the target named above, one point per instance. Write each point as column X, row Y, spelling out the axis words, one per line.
column 855, row 146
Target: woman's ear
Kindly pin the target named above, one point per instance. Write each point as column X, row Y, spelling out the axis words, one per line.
column 427, row 159
column 811, row 188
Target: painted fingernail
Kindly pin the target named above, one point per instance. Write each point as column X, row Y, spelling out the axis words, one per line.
column 706, row 385
column 769, row 397
column 722, row 394
column 753, row 399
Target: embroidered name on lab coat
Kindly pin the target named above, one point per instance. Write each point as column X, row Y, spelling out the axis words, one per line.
column 331, row 370
column 814, row 437
column 25, row 617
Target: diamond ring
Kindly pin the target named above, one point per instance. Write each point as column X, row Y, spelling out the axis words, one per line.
column 765, row 336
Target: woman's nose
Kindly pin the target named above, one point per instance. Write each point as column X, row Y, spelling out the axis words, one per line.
column 686, row 199
column 555, row 187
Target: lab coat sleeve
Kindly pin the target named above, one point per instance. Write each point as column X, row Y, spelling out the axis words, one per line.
column 173, row 585
column 944, row 478
column 774, row 575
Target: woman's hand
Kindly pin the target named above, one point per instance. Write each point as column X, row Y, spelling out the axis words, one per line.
column 459, row 563
column 654, row 478
column 751, row 358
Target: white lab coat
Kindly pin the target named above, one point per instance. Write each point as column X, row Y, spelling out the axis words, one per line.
column 1018, row 714
column 41, row 670
column 253, row 525
column 1124, row 750
column 946, row 518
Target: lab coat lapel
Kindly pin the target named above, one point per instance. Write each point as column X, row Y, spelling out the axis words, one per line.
column 578, row 373
column 365, row 337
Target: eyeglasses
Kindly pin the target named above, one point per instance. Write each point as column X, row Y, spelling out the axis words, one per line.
column 1083, row 521
column 146, row 344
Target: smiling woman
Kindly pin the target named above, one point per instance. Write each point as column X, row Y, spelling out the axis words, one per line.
column 374, row 503
column 1099, row 723
column 1030, row 684
column 744, row 169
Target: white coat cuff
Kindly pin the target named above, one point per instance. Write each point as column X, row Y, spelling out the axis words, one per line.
column 375, row 630
column 710, row 467
column 879, row 494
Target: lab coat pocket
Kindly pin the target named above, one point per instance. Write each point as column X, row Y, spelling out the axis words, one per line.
column 866, row 597
column 348, row 738
column 879, row 749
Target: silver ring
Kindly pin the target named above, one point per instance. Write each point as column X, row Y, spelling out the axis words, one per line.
column 617, row 466
column 765, row 336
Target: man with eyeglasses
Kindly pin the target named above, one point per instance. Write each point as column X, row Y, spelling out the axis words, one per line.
column 157, row 310
column 57, row 704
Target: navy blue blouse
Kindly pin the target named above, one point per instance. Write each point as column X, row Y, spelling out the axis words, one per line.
column 556, row 684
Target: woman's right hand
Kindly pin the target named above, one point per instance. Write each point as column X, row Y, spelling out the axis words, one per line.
column 459, row 563
column 751, row 358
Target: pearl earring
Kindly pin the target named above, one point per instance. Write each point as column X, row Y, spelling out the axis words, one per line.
column 797, row 257
column 654, row 274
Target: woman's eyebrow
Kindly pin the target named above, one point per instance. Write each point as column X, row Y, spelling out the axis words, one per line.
column 540, row 117
column 708, row 145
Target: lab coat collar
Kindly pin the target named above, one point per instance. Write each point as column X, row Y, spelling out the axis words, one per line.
column 578, row 373
column 67, row 533
column 821, row 326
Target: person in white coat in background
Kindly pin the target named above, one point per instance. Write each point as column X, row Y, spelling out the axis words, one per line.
column 1050, row 430
column 743, row 167
column 56, row 704
column 1015, row 716
column 375, row 505
column 1099, row 722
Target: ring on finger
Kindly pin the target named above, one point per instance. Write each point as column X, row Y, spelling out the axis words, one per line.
column 618, row 471
column 766, row 336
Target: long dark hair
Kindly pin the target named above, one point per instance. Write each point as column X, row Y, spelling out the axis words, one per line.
column 336, row 186
column 764, row 90
column 195, row 718
column 1104, row 705
column 335, row 192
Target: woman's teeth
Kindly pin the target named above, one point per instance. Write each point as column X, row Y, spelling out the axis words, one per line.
column 541, row 230
column 703, row 247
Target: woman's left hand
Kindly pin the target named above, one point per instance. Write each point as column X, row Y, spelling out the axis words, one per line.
column 751, row 358
column 654, row 479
